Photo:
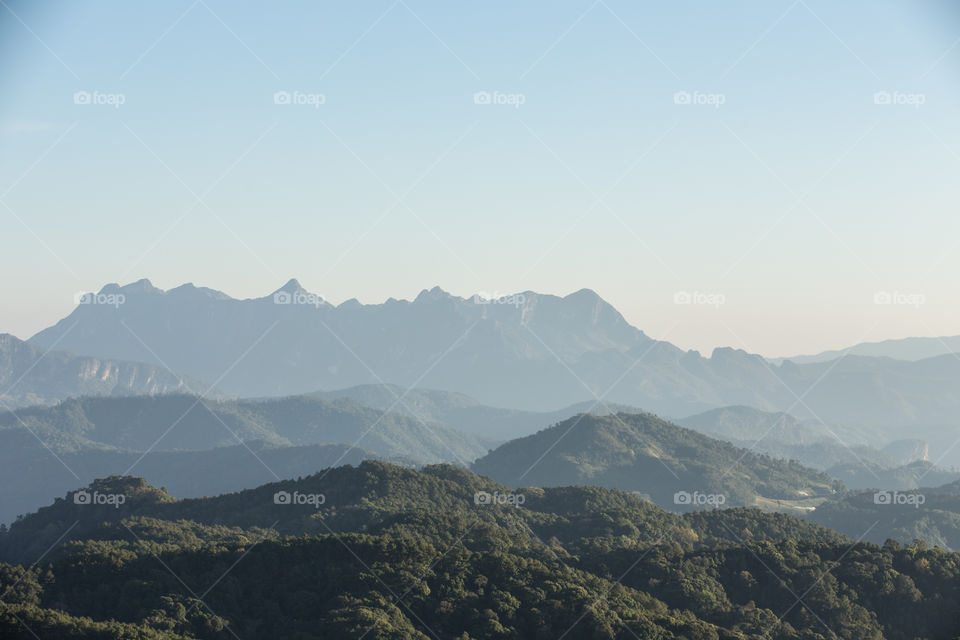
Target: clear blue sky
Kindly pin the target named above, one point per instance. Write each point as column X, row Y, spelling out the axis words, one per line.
column 797, row 199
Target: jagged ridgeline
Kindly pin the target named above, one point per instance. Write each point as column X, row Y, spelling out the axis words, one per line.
column 380, row 551
column 514, row 351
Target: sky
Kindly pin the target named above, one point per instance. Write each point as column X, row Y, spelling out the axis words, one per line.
column 776, row 176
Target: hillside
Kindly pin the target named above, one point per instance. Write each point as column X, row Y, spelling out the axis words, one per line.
column 394, row 553
column 460, row 411
column 784, row 436
column 919, row 473
column 32, row 375
column 740, row 423
column 203, row 447
column 644, row 454
column 190, row 423
column 29, row 474
column 928, row 513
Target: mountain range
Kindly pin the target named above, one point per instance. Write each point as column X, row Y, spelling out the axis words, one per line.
column 898, row 349
column 460, row 411
column 527, row 351
column 196, row 446
column 849, row 452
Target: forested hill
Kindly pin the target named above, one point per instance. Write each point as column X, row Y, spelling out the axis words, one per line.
column 385, row 552
column 643, row 453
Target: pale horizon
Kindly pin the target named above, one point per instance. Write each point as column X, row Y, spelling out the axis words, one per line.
column 791, row 157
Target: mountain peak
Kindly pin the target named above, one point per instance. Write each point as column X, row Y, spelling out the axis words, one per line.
column 293, row 285
column 140, row 286
column 584, row 294
column 436, row 293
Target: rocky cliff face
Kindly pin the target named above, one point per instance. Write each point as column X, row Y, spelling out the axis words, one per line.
column 31, row 375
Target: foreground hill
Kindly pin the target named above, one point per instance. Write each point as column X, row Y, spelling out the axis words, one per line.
column 392, row 553
column 526, row 351
column 33, row 375
column 642, row 453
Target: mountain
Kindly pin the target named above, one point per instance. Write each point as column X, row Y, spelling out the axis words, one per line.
column 739, row 423
column 460, row 411
column 201, row 447
column 931, row 514
column 919, row 473
column 642, row 453
column 306, row 344
column 781, row 435
column 907, row 450
column 526, row 351
column 898, row 349
column 393, row 553
column 33, row 375
column 192, row 423
column 29, row 473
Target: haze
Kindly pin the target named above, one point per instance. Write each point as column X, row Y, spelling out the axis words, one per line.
column 786, row 185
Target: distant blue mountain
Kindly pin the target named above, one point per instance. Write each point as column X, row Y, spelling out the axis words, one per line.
column 525, row 351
